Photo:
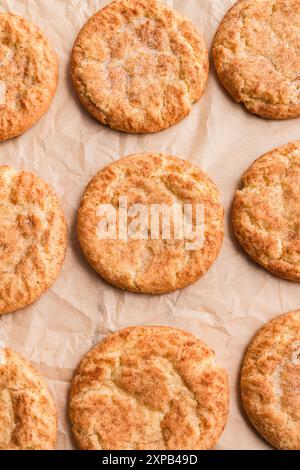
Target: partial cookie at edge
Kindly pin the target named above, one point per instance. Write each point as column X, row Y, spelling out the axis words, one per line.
column 266, row 212
column 33, row 238
column 270, row 382
column 257, row 56
column 28, row 416
column 28, row 75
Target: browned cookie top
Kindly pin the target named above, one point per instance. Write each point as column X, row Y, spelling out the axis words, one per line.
column 149, row 388
column 257, row 56
column 28, row 75
column 33, row 238
column 270, row 382
column 138, row 66
column 28, row 416
column 266, row 211
column 154, row 264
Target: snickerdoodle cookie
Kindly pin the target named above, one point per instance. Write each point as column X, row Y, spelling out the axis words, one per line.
column 257, row 56
column 266, row 211
column 165, row 223
column 28, row 75
column 270, row 382
column 33, row 238
column 138, row 66
column 28, row 417
column 149, row 388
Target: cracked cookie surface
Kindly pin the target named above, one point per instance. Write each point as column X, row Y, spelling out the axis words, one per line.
column 33, row 238
column 149, row 388
column 266, row 212
column 150, row 265
column 28, row 416
column 138, row 66
column 270, row 382
column 28, row 75
column 257, row 56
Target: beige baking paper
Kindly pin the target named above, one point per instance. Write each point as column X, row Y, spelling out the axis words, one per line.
column 67, row 147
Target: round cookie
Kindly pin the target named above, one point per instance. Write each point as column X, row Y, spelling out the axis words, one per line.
column 266, row 212
column 33, row 238
column 151, row 265
column 28, row 75
column 28, row 416
column 256, row 53
column 138, row 66
column 148, row 388
column 270, row 382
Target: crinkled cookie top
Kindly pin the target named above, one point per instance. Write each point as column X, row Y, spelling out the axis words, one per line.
column 28, row 75
column 257, row 56
column 149, row 388
column 28, row 417
column 33, row 238
column 270, row 382
column 266, row 211
column 138, row 66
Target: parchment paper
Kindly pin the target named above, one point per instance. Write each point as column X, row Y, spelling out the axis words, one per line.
column 66, row 148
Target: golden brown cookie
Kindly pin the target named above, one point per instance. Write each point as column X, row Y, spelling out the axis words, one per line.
column 28, row 417
column 28, row 75
column 257, row 56
column 266, row 211
column 151, row 265
column 270, row 382
column 138, row 66
column 149, row 388
column 33, row 238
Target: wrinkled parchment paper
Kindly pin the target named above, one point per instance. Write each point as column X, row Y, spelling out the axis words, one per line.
column 67, row 147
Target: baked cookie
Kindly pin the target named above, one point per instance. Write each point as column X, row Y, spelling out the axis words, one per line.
column 138, row 66
column 33, row 238
column 256, row 53
column 28, row 417
column 270, row 382
column 149, row 388
column 28, row 75
column 266, row 212
column 151, row 261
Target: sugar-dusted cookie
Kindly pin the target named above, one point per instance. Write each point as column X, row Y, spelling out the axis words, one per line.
column 33, row 238
column 270, row 382
column 151, row 262
column 138, row 66
column 266, row 211
column 28, row 416
column 257, row 56
column 28, row 75
column 148, row 388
